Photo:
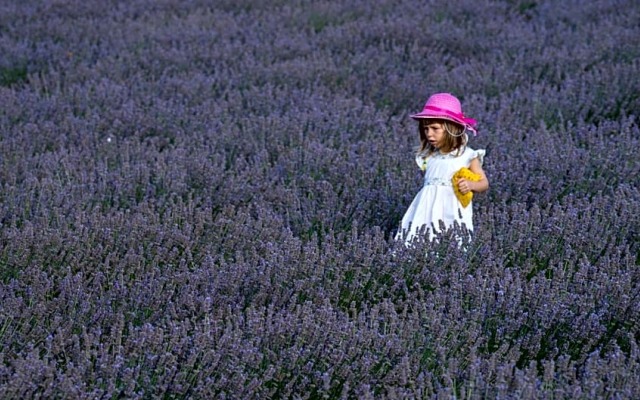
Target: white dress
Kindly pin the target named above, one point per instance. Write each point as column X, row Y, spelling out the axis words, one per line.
column 436, row 201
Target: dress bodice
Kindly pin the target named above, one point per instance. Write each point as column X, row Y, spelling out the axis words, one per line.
column 439, row 168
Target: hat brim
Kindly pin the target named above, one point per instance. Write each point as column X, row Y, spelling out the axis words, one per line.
column 438, row 116
column 434, row 115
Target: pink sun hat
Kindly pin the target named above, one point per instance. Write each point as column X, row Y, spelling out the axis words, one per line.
column 446, row 106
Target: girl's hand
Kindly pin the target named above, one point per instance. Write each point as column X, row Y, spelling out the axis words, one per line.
column 465, row 186
column 480, row 186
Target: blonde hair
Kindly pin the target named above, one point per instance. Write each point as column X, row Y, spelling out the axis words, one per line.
column 454, row 140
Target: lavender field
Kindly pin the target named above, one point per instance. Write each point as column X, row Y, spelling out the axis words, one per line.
column 198, row 200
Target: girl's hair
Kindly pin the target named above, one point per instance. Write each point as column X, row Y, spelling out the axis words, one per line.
column 455, row 139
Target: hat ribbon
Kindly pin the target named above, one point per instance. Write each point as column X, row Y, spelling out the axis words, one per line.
column 469, row 123
column 460, row 116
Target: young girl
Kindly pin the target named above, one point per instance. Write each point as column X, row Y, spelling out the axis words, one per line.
column 443, row 151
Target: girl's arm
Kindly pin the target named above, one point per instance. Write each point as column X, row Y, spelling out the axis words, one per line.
column 480, row 186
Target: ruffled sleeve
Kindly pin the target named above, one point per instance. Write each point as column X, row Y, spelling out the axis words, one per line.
column 421, row 161
column 479, row 154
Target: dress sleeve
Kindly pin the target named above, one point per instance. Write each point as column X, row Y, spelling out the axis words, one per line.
column 479, row 154
column 421, row 161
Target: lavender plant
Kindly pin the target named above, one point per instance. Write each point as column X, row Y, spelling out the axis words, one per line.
column 199, row 200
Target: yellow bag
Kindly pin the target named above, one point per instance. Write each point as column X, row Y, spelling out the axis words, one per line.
column 467, row 174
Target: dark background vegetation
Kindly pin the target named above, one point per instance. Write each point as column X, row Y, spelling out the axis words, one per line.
column 199, row 198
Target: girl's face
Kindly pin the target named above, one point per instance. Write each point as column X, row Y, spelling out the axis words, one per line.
column 435, row 133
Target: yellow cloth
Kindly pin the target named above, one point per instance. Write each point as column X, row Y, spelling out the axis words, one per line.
column 467, row 174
